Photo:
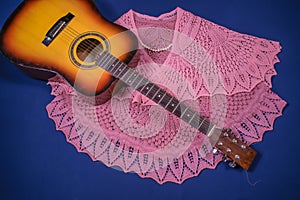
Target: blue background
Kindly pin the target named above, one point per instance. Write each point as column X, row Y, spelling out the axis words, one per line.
column 37, row 163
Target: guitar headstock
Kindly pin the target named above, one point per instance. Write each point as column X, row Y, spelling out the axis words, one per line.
column 235, row 149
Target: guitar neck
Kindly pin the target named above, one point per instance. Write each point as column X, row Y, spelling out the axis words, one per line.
column 132, row 78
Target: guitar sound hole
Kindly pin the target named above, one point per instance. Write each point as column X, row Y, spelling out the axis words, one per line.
column 88, row 49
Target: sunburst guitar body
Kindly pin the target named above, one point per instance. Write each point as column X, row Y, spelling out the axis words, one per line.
column 58, row 36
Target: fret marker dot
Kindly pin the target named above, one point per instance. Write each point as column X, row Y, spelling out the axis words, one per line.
column 172, row 105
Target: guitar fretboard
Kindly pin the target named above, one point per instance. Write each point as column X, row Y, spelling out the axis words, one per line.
column 132, row 78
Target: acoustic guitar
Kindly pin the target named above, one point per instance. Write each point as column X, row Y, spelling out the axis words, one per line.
column 73, row 39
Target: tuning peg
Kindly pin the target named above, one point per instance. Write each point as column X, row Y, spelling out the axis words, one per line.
column 232, row 164
column 224, row 158
column 229, row 130
column 216, row 151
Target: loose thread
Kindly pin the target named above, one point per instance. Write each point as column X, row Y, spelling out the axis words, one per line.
column 249, row 182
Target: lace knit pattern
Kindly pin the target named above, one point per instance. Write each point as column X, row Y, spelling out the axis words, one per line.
column 241, row 61
column 135, row 134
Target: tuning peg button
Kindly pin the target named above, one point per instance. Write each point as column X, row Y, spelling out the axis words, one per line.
column 224, row 158
column 232, row 164
column 215, row 151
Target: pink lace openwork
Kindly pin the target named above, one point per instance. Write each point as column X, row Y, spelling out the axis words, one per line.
column 222, row 74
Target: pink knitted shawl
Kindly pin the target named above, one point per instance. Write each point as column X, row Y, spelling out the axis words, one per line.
column 224, row 75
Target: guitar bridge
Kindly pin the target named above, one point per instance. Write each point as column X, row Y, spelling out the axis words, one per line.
column 57, row 28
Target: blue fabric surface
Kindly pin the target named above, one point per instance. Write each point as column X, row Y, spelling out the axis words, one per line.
column 38, row 163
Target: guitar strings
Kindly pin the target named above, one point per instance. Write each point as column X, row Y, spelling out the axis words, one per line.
column 89, row 46
column 85, row 45
column 198, row 119
column 73, row 34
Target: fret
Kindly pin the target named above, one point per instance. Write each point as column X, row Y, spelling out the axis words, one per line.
column 126, row 77
column 207, row 128
column 145, row 88
column 163, row 98
column 149, row 88
column 122, row 69
column 135, row 76
column 204, row 126
column 107, row 62
column 182, row 114
column 123, row 77
column 195, row 121
column 200, row 124
column 102, row 58
column 187, row 114
column 177, row 109
column 192, row 118
column 149, row 91
column 210, row 130
column 153, row 96
column 140, row 80
column 144, row 82
column 160, row 96
column 172, row 104
column 171, row 98
column 115, row 67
